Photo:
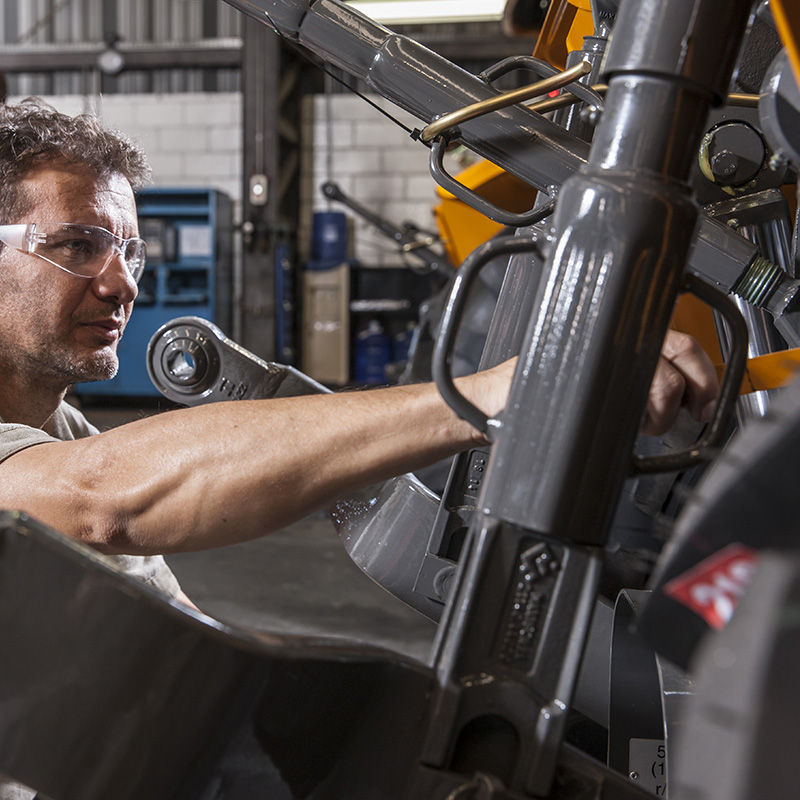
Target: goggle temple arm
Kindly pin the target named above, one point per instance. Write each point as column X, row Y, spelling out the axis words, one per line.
column 19, row 236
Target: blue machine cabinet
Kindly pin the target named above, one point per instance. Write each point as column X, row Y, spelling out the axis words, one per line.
column 189, row 237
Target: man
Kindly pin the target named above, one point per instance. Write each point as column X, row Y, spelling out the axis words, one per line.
column 194, row 478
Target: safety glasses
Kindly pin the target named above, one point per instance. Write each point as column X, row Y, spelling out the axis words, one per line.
column 82, row 250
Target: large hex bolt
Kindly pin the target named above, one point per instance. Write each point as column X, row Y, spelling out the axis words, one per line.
column 732, row 153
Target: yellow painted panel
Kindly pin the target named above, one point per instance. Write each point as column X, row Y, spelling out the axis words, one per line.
column 787, row 18
column 582, row 25
column 770, row 371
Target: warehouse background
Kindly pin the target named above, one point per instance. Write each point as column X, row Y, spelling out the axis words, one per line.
column 219, row 102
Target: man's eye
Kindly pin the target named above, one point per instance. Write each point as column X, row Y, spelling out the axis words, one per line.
column 78, row 246
column 74, row 247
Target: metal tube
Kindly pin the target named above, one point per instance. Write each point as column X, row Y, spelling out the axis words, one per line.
column 482, row 107
column 517, row 139
column 605, row 306
column 623, row 228
column 426, row 85
column 738, row 99
column 573, row 117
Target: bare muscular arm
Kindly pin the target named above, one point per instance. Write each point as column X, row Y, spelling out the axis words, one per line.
column 228, row 472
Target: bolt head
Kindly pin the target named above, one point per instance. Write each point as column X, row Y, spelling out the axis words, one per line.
column 724, row 164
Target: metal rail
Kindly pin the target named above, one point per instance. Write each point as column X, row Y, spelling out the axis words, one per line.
column 739, row 99
column 475, row 110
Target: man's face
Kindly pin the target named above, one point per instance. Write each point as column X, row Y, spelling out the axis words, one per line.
column 55, row 327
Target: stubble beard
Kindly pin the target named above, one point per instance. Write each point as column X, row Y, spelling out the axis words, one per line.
column 56, row 364
column 40, row 354
column 73, row 368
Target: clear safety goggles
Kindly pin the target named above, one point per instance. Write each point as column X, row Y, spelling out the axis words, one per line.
column 82, row 250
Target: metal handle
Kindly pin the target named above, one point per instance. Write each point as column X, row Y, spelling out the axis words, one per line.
column 714, row 433
column 475, row 110
column 474, row 200
column 451, row 318
column 552, row 79
column 579, row 91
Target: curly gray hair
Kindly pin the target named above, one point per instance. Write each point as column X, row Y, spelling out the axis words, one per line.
column 33, row 133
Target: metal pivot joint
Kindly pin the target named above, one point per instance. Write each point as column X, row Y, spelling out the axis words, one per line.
column 191, row 361
column 451, row 318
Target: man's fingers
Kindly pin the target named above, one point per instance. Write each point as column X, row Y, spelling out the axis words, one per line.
column 665, row 398
column 684, row 377
column 702, row 386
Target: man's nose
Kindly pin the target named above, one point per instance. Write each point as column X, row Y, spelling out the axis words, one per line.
column 115, row 281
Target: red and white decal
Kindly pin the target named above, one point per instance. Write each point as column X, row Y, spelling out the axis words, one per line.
column 713, row 587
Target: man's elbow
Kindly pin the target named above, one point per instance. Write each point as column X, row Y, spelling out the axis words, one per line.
column 104, row 530
column 69, row 492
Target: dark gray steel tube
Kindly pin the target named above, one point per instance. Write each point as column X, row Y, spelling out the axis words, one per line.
column 425, row 84
column 623, row 228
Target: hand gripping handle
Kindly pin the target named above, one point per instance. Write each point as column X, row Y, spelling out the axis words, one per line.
column 451, row 319
column 714, row 433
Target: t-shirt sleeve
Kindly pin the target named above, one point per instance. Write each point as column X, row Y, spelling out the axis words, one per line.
column 71, row 424
column 15, row 437
column 68, row 423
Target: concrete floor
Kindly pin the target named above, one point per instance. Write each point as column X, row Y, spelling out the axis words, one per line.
column 299, row 580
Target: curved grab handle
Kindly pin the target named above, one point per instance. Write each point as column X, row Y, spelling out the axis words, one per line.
column 451, row 318
column 544, row 70
column 435, row 132
column 714, row 433
column 473, row 199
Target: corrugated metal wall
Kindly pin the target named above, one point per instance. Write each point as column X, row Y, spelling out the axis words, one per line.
column 36, row 22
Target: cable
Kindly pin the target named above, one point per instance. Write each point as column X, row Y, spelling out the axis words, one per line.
column 320, row 64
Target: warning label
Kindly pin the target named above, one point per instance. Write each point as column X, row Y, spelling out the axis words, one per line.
column 713, row 587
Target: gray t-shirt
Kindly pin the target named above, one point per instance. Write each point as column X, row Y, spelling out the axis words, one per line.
column 68, row 423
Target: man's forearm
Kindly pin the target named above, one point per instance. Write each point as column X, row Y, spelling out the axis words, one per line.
column 227, row 472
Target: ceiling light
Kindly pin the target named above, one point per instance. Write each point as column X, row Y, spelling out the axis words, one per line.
column 429, row 11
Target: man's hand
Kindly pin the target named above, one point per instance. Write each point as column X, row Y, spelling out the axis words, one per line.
column 488, row 390
column 684, row 378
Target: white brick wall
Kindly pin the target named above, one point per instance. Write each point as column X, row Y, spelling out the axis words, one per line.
column 191, row 139
column 195, row 139
column 374, row 161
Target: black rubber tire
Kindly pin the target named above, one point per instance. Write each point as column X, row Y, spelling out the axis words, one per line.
column 747, row 497
column 739, row 737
